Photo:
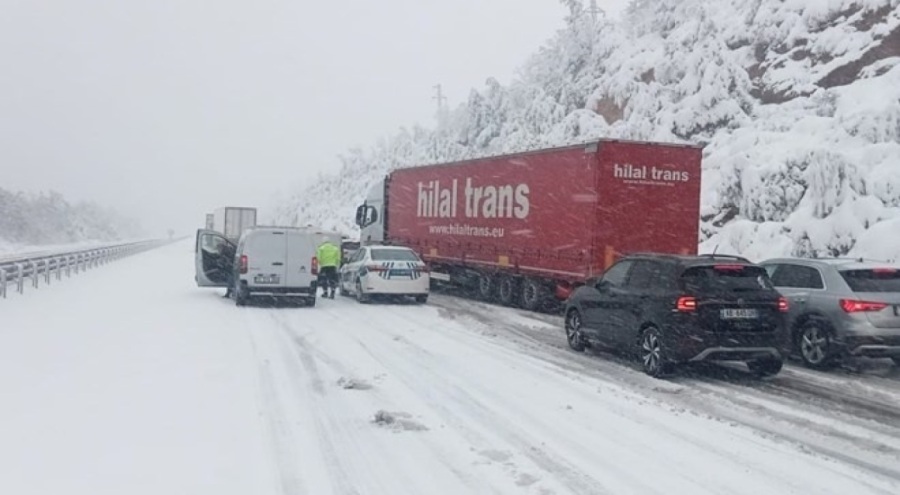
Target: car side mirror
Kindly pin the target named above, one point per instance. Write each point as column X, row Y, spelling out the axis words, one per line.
column 602, row 285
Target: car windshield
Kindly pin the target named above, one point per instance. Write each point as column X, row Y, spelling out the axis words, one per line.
column 873, row 280
column 727, row 278
column 394, row 255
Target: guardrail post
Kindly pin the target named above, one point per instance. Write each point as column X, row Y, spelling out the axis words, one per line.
column 3, row 283
column 47, row 271
column 20, row 278
column 58, row 268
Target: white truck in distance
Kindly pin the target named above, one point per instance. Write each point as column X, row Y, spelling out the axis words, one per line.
column 232, row 221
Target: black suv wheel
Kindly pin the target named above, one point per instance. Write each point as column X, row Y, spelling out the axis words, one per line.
column 573, row 330
column 652, row 352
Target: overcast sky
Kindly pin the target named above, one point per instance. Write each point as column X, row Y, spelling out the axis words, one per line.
column 166, row 109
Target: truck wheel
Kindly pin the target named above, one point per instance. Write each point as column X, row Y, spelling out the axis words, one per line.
column 507, row 291
column 486, row 287
column 534, row 294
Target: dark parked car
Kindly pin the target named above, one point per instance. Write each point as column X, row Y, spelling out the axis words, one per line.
column 675, row 309
column 840, row 307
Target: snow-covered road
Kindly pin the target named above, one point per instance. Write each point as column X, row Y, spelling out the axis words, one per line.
column 128, row 379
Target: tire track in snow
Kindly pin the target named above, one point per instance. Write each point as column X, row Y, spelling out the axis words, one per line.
column 299, row 363
column 313, row 357
column 285, row 454
column 488, row 419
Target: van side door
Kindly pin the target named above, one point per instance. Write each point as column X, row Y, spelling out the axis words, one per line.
column 213, row 259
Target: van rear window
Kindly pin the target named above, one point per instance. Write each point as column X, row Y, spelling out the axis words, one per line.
column 726, row 278
column 393, row 255
column 873, row 280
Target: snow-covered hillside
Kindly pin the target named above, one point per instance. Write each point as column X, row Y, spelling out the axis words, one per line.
column 48, row 219
column 797, row 103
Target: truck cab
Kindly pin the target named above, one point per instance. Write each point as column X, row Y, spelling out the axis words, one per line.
column 370, row 216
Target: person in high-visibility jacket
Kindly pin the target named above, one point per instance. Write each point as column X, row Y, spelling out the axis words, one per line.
column 329, row 258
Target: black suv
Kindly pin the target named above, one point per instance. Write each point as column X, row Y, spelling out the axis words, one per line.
column 676, row 309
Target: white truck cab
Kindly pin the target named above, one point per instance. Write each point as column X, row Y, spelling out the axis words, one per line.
column 370, row 216
column 269, row 261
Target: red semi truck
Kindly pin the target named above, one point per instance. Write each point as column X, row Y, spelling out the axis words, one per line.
column 529, row 227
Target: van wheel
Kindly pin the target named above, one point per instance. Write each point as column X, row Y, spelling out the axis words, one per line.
column 506, row 291
column 534, row 294
column 240, row 295
column 765, row 367
column 814, row 343
column 360, row 296
column 653, row 354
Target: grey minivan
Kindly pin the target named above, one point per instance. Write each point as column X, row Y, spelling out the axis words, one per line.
column 840, row 307
column 270, row 261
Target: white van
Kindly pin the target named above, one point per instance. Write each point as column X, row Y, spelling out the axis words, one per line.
column 270, row 261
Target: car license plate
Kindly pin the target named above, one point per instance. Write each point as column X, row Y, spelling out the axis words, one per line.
column 266, row 279
column 401, row 273
column 740, row 313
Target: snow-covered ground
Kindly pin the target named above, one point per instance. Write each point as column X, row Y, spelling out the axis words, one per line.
column 129, row 379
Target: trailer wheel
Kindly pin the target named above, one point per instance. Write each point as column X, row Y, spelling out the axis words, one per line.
column 485, row 287
column 534, row 294
column 508, row 290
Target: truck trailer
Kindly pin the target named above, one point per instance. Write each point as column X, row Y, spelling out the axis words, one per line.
column 232, row 221
column 528, row 228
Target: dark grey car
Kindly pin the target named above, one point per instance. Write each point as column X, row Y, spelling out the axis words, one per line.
column 840, row 307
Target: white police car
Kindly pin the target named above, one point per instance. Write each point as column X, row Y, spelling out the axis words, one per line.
column 387, row 270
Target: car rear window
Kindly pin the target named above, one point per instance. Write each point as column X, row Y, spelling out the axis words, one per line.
column 725, row 278
column 394, row 255
column 873, row 280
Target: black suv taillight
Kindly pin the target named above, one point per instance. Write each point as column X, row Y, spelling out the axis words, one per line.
column 783, row 305
column 243, row 266
column 686, row 304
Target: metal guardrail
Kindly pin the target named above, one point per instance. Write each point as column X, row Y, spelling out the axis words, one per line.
column 14, row 272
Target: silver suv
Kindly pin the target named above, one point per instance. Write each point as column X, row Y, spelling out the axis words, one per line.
column 840, row 307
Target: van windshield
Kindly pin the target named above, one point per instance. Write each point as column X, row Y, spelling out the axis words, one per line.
column 394, row 255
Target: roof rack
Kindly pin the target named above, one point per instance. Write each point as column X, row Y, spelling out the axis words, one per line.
column 728, row 256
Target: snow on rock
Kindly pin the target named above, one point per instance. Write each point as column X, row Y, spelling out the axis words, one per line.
column 796, row 102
